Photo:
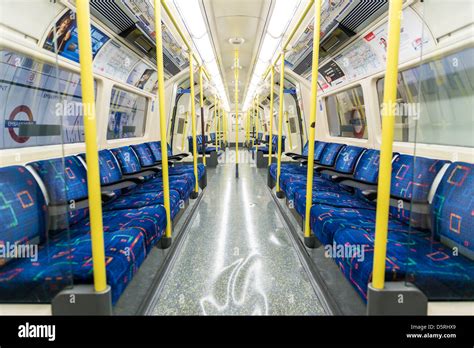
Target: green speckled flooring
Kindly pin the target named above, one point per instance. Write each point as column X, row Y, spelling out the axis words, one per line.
column 237, row 258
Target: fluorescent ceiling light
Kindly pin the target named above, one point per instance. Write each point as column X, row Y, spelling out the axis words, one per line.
column 283, row 12
column 190, row 11
column 205, row 48
column 269, row 47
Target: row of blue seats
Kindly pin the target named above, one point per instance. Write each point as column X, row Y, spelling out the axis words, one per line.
column 44, row 203
column 264, row 147
column 431, row 229
column 210, row 147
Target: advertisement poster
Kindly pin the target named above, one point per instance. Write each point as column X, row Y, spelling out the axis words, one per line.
column 63, row 38
column 332, row 73
column 115, row 61
column 29, row 95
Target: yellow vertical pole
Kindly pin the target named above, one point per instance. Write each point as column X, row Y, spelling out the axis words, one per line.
column 225, row 129
column 236, row 100
column 193, row 122
column 270, row 134
column 247, row 128
column 309, row 240
column 90, row 130
column 388, row 123
column 257, row 120
column 216, row 105
column 161, row 103
column 218, row 127
column 252, row 123
column 201, row 104
column 280, row 123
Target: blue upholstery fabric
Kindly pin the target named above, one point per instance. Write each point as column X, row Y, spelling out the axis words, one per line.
column 412, row 181
column 319, row 147
column 144, row 154
column 22, row 208
column 329, row 154
column 412, row 257
column 151, row 220
column 64, row 181
column 128, row 160
column 367, row 169
column 155, row 147
column 347, row 159
column 453, row 207
column 108, row 166
column 183, row 186
column 70, row 260
column 139, row 200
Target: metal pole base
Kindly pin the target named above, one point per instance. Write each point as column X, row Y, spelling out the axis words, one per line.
column 82, row 300
column 203, row 181
column 270, row 180
column 280, row 194
column 310, row 242
column 396, row 298
column 194, row 195
column 165, row 242
column 237, row 170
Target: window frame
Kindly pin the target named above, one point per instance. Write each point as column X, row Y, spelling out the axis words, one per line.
column 324, row 106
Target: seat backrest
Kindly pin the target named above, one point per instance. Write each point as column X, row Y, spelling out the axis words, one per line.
column 412, row 178
column 260, row 136
column 347, row 159
column 65, row 181
column 144, row 154
column 155, row 147
column 453, row 208
column 109, row 167
column 329, row 154
column 128, row 160
column 319, row 147
column 305, row 149
column 23, row 208
column 213, row 136
column 367, row 169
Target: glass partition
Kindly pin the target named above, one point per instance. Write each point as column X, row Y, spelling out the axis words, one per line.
column 440, row 251
column 40, row 105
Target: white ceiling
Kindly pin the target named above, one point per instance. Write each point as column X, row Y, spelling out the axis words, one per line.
column 245, row 19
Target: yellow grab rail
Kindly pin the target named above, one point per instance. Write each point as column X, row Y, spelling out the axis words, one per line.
column 270, row 143
column 257, row 120
column 193, row 123
column 201, row 104
column 280, row 121
column 385, row 165
column 309, row 241
column 90, row 130
column 225, row 130
column 236, row 100
column 292, row 34
column 161, row 103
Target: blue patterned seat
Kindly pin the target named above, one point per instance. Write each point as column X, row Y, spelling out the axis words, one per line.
column 130, row 165
column 423, row 257
column 62, row 258
column 209, row 149
column 72, row 186
column 155, row 148
column 127, row 198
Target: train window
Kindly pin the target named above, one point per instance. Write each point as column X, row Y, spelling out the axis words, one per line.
column 41, row 103
column 346, row 114
column 443, row 114
column 127, row 115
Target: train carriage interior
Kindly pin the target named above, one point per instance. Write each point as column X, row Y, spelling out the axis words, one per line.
column 237, row 157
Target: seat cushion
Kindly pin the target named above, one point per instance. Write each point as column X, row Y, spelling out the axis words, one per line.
column 133, row 201
column 69, row 260
column 413, row 257
column 150, row 220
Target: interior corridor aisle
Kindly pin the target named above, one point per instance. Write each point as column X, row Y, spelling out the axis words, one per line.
column 237, row 258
